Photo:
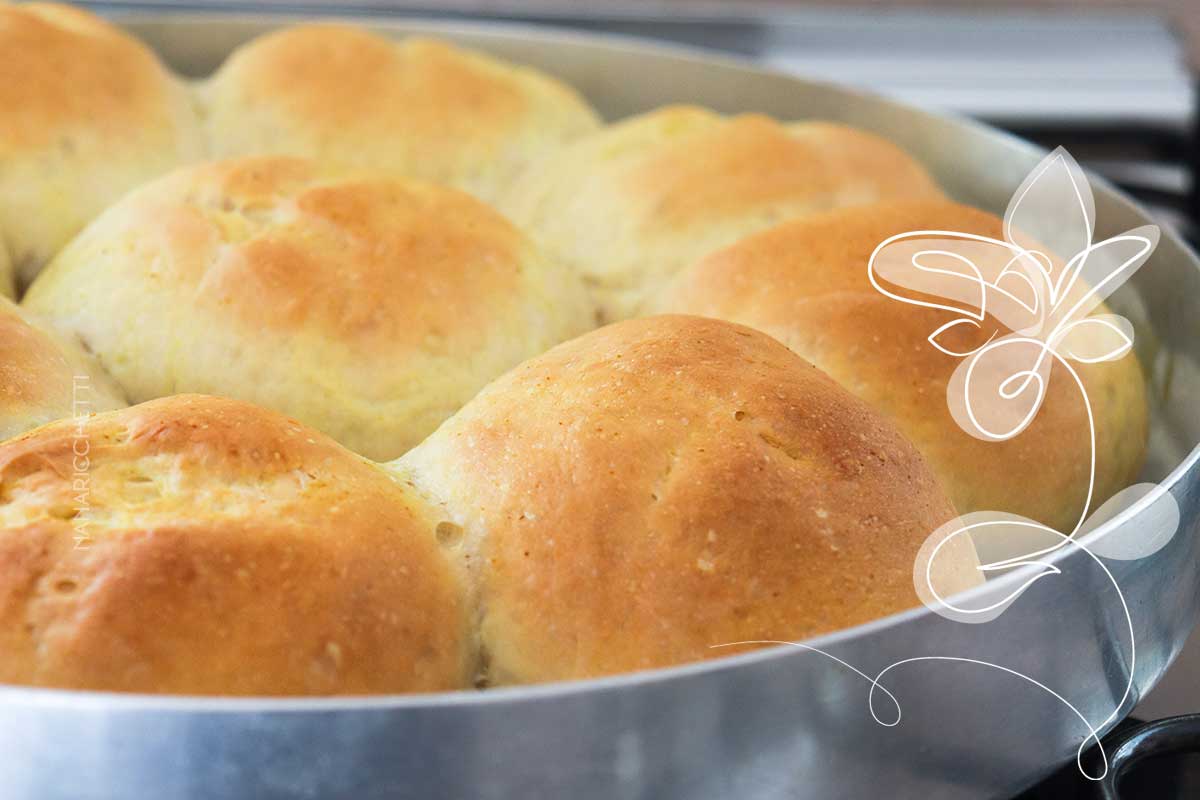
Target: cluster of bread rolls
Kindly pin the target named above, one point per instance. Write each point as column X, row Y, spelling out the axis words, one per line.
column 357, row 390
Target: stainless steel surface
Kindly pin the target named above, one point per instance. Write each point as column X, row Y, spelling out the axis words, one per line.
column 780, row 723
column 1109, row 67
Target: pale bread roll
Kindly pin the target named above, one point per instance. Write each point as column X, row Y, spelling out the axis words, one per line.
column 418, row 108
column 634, row 203
column 45, row 376
column 368, row 307
column 8, row 284
column 87, row 112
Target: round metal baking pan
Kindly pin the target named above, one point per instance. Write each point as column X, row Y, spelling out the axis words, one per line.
column 779, row 723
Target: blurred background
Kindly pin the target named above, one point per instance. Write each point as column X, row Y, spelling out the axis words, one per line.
column 1112, row 80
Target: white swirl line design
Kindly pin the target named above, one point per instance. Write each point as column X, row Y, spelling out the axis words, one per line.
column 1093, row 733
column 1052, row 209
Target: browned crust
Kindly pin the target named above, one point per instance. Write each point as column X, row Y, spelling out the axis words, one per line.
column 338, row 79
column 664, row 485
column 64, row 69
column 211, row 547
column 754, row 162
column 805, row 282
column 417, row 107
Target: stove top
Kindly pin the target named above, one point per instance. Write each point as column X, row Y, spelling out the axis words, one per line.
column 1147, row 761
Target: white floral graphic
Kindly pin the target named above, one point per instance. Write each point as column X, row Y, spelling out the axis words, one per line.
column 1021, row 284
column 998, row 388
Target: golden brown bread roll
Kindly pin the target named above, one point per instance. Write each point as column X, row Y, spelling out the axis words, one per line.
column 805, row 283
column 417, row 108
column 195, row 545
column 45, row 376
column 370, row 308
column 86, row 113
column 657, row 487
column 632, row 204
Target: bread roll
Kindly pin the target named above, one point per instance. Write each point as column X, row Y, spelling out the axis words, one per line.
column 805, row 283
column 8, row 286
column 657, row 487
column 631, row 205
column 86, row 113
column 370, row 308
column 45, row 376
column 196, row 545
column 417, row 108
